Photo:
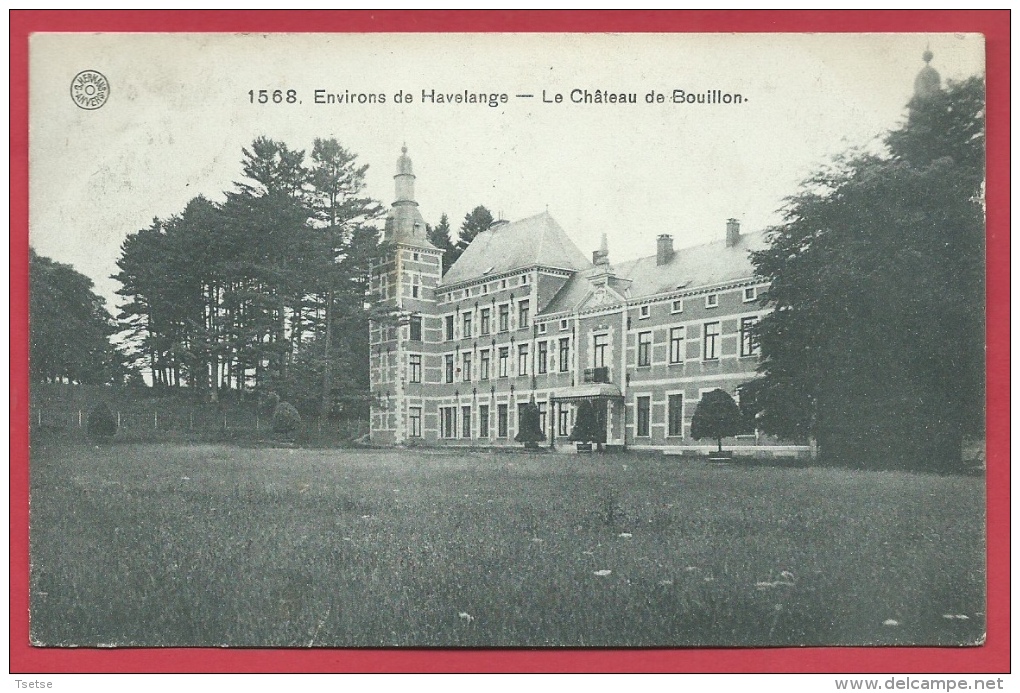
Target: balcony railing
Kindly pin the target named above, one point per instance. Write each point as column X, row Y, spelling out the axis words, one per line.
column 596, row 375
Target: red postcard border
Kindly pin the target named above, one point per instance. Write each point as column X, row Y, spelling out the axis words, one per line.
column 991, row 657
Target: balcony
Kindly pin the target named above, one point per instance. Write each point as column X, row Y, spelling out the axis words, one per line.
column 596, row 375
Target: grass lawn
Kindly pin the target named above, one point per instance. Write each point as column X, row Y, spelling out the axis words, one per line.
column 211, row 545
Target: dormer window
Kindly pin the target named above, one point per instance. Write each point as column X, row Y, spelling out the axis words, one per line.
column 678, row 306
column 712, row 300
column 644, row 312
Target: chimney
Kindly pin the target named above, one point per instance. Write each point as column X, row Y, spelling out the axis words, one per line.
column 664, row 249
column 732, row 232
column 601, row 256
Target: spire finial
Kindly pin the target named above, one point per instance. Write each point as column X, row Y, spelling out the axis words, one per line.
column 928, row 82
column 403, row 149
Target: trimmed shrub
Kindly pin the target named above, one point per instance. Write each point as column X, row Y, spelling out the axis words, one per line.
column 285, row 419
column 717, row 417
column 102, row 424
column 530, row 426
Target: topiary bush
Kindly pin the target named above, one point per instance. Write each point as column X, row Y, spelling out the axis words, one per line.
column 102, row 424
column 717, row 416
column 530, row 426
column 285, row 419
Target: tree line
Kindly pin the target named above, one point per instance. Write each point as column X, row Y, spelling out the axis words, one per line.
column 266, row 291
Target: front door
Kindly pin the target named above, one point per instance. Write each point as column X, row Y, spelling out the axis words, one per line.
column 614, row 419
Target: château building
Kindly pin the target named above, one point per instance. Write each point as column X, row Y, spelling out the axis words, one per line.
column 524, row 314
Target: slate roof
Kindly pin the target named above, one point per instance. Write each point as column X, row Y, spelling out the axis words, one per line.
column 536, row 240
column 701, row 265
column 404, row 224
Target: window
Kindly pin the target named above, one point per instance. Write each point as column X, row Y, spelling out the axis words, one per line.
column 711, row 300
column 448, row 422
column 415, row 284
column 675, row 415
column 466, row 332
column 415, row 328
column 524, row 280
column 644, row 312
column 504, row 317
column 564, row 421
column 414, row 422
column 502, row 284
column 483, row 365
column 483, row 420
column 678, row 306
column 677, row 347
column 563, row 324
column 414, row 368
column 522, row 314
column 485, row 289
column 644, row 349
column 564, row 354
column 543, row 357
column 449, row 328
column 644, row 408
column 485, row 321
column 748, row 339
column 502, row 417
column 416, row 257
column 465, row 422
column 504, row 360
column 542, row 328
column 522, row 359
column 465, row 366
column 711, row 349
column 601, row 342
column 542, row 412
column 750, row 294
column 449, row 368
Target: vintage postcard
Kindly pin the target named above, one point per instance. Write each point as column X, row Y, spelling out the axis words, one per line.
column 507, row 340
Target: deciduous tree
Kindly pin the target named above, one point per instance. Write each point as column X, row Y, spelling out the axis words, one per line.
column 875, row 344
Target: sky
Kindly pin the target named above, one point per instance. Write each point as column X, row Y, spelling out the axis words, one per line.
column 179, row 114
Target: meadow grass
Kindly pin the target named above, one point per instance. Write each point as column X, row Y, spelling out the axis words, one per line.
column 217, row 545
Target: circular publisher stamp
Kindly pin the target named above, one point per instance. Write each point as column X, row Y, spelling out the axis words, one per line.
column 90, row 89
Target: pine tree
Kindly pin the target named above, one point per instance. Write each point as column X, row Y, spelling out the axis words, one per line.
column 439, row 236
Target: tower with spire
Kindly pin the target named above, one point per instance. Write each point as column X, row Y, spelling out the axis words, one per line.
column 928, row 81
column 402, row 287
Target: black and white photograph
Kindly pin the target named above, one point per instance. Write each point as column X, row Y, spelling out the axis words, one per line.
column 404, row 340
